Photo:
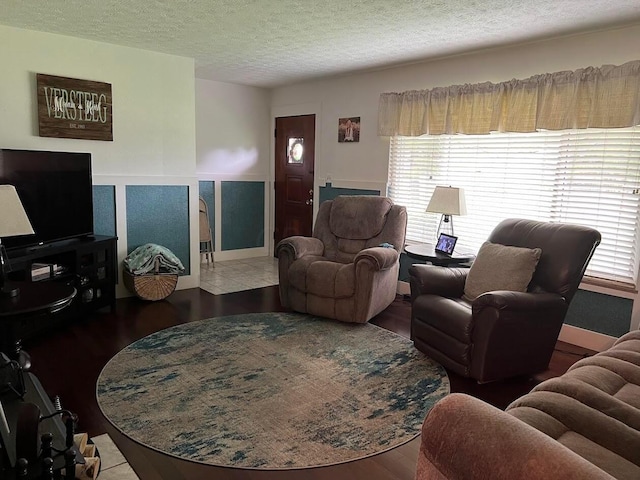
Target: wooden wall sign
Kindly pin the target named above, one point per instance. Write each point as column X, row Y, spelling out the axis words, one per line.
column 72, row 108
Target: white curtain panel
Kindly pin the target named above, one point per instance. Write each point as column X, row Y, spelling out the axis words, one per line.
column 605, row 97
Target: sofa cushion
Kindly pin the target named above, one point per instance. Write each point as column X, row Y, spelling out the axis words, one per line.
column 350, row 248
column 358, row 217
column 593, row 409
column 297, row 274
column 501, row 267
column 317, row 276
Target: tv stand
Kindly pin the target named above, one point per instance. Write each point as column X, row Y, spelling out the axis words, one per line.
column 89, row 264
column 39, row 247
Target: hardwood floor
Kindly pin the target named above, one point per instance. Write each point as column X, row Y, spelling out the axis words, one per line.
column 69, row 361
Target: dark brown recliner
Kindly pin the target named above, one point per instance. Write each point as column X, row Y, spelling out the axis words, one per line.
column 343, row 272
column 502, row 333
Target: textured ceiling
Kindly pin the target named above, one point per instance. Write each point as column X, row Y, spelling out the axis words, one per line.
column 274, row 42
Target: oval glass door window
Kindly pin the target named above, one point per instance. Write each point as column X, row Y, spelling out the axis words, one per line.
column 296, row 150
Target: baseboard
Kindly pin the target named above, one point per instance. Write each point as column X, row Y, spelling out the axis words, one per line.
column 585, row 338
column 403, row 288
column 188, row 281
column 240, row 254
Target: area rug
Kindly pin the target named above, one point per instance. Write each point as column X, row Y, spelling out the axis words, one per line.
column 270, row 391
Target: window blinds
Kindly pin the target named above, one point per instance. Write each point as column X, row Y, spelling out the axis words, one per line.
column 589, row 177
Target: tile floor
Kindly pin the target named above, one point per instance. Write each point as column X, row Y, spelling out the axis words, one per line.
column 237, row 275
column 113, row 464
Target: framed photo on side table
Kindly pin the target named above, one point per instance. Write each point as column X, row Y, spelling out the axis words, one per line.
column 446, row 244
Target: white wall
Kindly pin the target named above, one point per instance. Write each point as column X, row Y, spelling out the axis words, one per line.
column 153, row 101
column 153, row 114
column 232, row 143
column 232, row 126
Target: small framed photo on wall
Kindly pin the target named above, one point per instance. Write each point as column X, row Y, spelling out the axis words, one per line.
column 349, row 129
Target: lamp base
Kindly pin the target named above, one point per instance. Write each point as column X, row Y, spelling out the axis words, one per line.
column 445, row 226
column 6, row 288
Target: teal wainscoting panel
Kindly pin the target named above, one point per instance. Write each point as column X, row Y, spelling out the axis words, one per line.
column 329, row 192
column 208, row 193
column 242, row 213
column 600, row 313
column 159, row 214
column 104, row 210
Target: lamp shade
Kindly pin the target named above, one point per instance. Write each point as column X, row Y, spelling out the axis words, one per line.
column 13, row 219
column 448, row 201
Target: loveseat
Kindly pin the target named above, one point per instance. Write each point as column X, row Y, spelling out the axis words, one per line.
column 583, row 425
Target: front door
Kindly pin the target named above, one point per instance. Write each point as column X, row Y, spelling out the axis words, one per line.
column 294, row 160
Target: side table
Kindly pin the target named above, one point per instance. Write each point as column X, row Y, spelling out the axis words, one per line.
column 427, row 252
column 35, row 298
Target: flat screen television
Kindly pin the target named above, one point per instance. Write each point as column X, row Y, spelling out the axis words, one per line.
column 56, row 190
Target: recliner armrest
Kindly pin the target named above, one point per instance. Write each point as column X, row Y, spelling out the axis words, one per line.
column 510, row 323
column 463, row 438
column 299, row 246
column 520, row 301
column 434, row 280
column 380, row 258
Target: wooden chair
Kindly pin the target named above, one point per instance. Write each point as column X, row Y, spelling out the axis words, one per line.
column 206, row 239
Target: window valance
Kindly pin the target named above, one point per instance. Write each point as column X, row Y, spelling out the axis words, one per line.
column 605, row 97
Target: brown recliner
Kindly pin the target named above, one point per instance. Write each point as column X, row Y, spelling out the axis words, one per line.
column 501, row 334
column 349, row 269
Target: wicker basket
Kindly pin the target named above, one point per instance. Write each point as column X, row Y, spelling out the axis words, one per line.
column 150, row 286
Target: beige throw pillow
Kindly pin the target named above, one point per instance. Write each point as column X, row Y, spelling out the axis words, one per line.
column 500, row 267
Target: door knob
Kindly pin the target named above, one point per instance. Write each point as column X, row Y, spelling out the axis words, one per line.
column 309, row 202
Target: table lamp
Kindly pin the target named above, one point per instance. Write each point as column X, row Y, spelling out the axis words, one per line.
column 448, row 201
column 13, row 222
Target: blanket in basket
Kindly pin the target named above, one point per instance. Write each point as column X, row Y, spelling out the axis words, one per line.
column 143, row 260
